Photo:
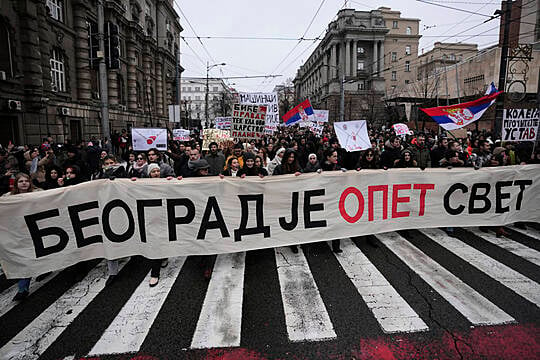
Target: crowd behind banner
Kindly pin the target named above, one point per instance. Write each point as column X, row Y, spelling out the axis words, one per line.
column 291, row 150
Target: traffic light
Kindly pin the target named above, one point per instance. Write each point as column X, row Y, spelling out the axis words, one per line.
column 93, row 45
column 112, row 47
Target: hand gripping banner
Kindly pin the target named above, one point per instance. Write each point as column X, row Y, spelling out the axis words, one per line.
column 157, row 218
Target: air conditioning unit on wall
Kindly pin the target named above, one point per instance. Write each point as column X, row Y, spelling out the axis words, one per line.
column 14, row 105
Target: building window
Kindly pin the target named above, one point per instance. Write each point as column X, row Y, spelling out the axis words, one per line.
column 406, row 81
column 183, row 88
column 393, row 87
column 361, row 50
column 197, row 107
column 394, row 24
column 197, row 88
column 189, row 88
column 215, row 89
column 6, row 62
column 58, row 74
column 452, row 57
column 56, row 9
column 360, row 66
column 138, row 90
column 198, row 98
column 407, row 66
column 394, row 75
column 408, row 31
column 189, row 98
column 408, row 50
column 394, row 56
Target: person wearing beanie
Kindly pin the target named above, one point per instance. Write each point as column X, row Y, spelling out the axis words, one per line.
column 313, row 164
column 249, row 168
column 152, row 169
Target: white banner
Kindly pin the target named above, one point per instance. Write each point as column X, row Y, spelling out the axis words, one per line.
column 144, row 139
column 248, row 122
column 319, row 116
column 272, row 104
column 181, row 135
column 401, row 129
column 157, row 218
column 353, row 135
column 223, row 123
column 520, row 124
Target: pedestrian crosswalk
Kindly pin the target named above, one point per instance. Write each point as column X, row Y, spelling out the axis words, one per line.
column 305, row 315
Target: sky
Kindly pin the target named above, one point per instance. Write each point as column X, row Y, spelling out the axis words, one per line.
column 294, row 19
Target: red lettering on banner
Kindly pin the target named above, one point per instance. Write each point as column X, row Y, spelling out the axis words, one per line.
column 423, row 190
column 359, row 212
column 396, row 199
column 371, row 190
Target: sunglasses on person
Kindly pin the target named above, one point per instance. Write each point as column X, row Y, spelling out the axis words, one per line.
column 140, row 158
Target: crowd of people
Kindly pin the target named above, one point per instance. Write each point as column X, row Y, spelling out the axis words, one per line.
column 292, row 150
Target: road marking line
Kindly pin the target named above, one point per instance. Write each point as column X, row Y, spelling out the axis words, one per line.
column 35, row 338
column 530, row 232
column 507, row 276
column 389, row 308
column 509, row 245
column 6, row 303
column 461, row 296
column 220, row 321
column 131, row 325
column 305, row 314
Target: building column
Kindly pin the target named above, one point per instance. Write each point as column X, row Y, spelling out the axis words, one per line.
column 347, row 58
column 131, row 77
column 82, row 63
column 148, row 82
column 381, row 54
column 333, row 61
column 342, row 59
column 112, row 79
column 355, row 59
column 159, row 87
column 375, row 58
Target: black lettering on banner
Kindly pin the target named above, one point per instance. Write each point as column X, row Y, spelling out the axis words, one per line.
column 458, row 210
column 206, row 224
column 479, row 197
column 173, row 220
column 79, row 224
column 309, row 208
column 499, row 196
column 288, row 226
column 259, row 228
column 522, row 184
column 38, row 234
column 106, row 220
column 141, row 204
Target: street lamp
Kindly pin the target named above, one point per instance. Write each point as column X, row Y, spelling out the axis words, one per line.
column 208, row 67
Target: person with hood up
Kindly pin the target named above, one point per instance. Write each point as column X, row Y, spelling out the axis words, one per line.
column 391, row 153
column 406, row 160
column 249, row 168
column 276, row 161
column 312, row 164
column 72, row 176
column 52, row 174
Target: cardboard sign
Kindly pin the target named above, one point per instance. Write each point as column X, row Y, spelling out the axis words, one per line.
column 401, row 129
column 144, row 139
column 520, row 124
column 353, row 135
column 223, row 123
column 248, row 122
column 217, row 135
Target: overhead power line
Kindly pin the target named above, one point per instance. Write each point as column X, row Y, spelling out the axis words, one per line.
column 454, row 8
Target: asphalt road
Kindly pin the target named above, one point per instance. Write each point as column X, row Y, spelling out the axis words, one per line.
column 415, row 294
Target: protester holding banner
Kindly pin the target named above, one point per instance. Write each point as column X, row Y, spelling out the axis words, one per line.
column 368, row 160
column 249, row 168
column 406, row 160
column 138, row 169
column 154, row 157
column 276, row 161
column 238, row 151
column 289, row 164
column 232, row 168
column 23, row 184
column 259, row 165
column 313, row 164
column 330, row 162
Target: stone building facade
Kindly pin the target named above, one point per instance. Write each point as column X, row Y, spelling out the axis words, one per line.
column 47, row 85
column 401, row 46
column 351, row 52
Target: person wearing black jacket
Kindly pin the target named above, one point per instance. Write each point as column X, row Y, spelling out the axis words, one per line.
column 52, row 175
column 249, row 168
column 331, row 164
column 391, row 153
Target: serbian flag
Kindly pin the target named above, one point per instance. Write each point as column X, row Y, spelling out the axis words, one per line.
column 457, row 116
column 300, row 112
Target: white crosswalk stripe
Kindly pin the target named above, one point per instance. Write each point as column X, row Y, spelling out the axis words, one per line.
column 510, row 278
column 509, row 245
column 35, row 338
column 529, row 231
column 5, row 298
column 220, row 321
column 129, row 328
column 476, row 308
column 305, row 314
column 389, row 308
